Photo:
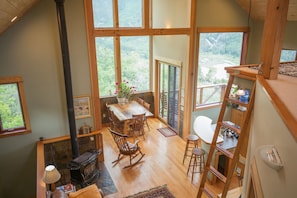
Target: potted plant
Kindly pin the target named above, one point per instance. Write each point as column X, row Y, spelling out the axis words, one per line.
column 124, row 91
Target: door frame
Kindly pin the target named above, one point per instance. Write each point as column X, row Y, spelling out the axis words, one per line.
column 174, row 63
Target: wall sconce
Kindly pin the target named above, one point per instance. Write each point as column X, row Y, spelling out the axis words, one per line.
column 270, row 156
column 51, row 176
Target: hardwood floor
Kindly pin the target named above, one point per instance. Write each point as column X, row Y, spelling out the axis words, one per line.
column 162, row 164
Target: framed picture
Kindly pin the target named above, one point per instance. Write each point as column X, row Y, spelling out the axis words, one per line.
column 82, row 108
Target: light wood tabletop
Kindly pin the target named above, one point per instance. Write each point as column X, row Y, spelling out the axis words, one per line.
column 125, row 111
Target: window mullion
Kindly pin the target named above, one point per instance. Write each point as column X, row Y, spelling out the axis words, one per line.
column 115, row 14
column 117, row 57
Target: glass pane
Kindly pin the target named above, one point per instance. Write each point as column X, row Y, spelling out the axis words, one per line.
column 163, row 92
column 135, row 61
column 105, row 65
column 103, row 13
column 288, row 55
column 10, row 107
column 130, row 13
column 216, row 51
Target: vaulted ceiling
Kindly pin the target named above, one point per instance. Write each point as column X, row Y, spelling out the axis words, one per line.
column 11, row 8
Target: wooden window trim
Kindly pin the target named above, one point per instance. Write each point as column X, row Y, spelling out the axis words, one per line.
column 27, row 128
column 244, row 30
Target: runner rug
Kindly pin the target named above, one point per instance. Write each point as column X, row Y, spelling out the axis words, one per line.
column 166, row 131
column 159, row 192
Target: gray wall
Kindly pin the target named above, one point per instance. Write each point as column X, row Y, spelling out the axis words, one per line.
column 269, row 129
column 31, row 48
column 289, row 42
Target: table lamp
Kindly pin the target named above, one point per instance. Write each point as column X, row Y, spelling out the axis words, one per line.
column 51, row 176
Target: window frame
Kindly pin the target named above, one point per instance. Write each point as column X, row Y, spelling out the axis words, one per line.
column 27, row 127
column 244, row 30
column 146, row 30
column 116, row 33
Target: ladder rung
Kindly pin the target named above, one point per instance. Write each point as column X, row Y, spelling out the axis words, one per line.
column 224, row 151
column 230, row 126
column 209, row 193
column 218, row 174
column 243, row 76
column 244, row 104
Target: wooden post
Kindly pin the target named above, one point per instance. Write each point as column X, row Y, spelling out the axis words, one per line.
column 274, row 28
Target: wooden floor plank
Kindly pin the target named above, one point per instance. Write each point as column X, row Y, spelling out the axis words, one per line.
column 162, row 164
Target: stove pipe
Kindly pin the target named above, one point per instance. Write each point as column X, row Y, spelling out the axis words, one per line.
column 67, row 76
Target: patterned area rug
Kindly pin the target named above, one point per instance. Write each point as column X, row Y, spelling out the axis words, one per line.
column 105, row 181
column 167, row 132
column 157, row 192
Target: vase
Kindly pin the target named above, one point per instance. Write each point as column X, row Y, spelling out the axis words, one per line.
column 122, row 100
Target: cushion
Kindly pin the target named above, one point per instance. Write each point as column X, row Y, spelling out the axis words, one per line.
column 88, row 192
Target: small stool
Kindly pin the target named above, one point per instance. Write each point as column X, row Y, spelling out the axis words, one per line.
column 192, row 142
column 196, row 161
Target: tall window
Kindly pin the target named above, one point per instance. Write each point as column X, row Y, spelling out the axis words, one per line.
column 121, row 57
column 105, row 65
column 135, row 61
column 13, row 114
column 217, row 50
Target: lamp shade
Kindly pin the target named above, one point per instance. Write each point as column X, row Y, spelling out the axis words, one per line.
column 240, row 92
column 51, row 174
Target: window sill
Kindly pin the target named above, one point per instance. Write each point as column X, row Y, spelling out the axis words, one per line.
column 209, row 106
column 14, row 133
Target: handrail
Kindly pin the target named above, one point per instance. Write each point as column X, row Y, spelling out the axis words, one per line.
column 282, row 109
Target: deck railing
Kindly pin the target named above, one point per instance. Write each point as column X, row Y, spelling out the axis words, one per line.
column 209, row 94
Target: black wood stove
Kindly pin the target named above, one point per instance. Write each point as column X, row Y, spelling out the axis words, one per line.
column 84, row 168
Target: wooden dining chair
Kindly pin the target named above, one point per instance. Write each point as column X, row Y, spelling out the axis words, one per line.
column 137, row 125
column 139, row 100
column 147, row 106
column 109, row 115
column 116, row 123
column 126, row 148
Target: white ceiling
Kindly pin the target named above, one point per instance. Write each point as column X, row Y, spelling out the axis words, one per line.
column 11, row 8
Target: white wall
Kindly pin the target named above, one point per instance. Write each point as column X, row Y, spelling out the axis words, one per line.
column 269, row 129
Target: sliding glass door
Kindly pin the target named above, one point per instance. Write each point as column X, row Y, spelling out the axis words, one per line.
column 169, row 94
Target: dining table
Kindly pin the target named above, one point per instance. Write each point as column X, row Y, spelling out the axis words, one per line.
column 125, row 112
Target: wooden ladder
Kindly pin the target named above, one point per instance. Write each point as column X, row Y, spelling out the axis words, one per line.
column 223, row 125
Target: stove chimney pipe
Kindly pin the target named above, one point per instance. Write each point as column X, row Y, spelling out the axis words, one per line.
column 67, row 76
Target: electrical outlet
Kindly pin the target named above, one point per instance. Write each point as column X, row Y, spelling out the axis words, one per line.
column 104, row 115
column 91, row 138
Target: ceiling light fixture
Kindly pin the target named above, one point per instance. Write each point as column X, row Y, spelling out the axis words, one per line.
column 13, row 19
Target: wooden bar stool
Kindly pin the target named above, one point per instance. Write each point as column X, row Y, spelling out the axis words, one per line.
column 192, row 142
column 196, row 163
